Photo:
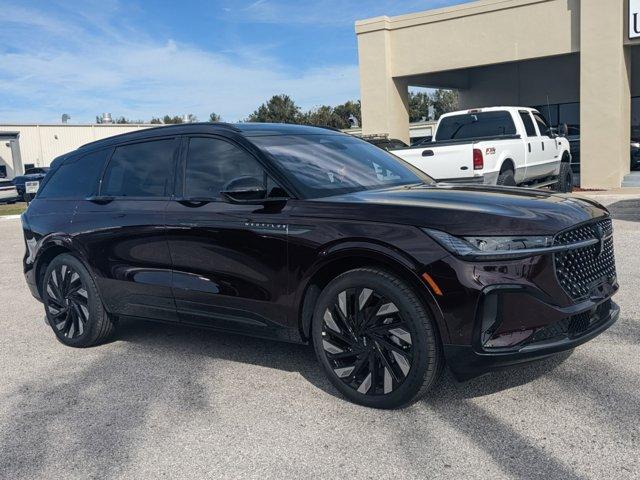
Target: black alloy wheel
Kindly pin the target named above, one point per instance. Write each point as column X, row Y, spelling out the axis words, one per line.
column 72, row 304
column 67, row 302
column 375, row 339
column 367, row 341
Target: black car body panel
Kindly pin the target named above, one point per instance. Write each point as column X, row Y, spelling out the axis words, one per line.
column 256, row 269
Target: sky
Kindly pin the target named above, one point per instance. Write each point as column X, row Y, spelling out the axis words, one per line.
column 141, row 59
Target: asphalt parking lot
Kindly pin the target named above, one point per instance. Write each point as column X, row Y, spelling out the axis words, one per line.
column 172, row 402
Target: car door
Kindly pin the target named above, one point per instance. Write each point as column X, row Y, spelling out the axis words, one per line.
column 229, row 260
column 533, row 149
column 121, row 229
column 548, row 163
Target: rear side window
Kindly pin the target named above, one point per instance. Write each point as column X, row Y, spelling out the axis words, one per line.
column 212, row 163
column 77, row 179
column 475, row 125
column 528, row 123
column 140, row 170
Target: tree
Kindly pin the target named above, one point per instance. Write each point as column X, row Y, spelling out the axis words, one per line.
column 345, row 110
column 444, row 101
column 167, row 119
column 418, row 106
column 323, row 116
column 278, row 109
column 214, row 117
column 155, row 121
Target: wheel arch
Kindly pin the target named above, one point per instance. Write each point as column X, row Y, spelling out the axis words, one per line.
column 508, row 164
column 349, row 257
column 50, row 249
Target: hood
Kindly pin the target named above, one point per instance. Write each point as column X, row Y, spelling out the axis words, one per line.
column 461, row 209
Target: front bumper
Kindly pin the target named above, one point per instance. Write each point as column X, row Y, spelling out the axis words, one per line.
column 467, row 362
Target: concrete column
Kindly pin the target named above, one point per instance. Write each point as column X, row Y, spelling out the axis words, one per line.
column 385, row 104
column 605, row 95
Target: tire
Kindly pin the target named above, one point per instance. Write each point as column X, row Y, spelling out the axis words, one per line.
column 73, row 305
column 507, row 178
column 370, row 363
column 565, row 179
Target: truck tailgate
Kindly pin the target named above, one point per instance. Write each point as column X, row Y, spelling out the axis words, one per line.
column 454, row 161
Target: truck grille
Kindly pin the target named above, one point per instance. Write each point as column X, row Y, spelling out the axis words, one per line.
column 579, row 270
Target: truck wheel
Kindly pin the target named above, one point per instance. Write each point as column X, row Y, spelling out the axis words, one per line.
column 507, row 178
column 565, row 179
column 375, row 340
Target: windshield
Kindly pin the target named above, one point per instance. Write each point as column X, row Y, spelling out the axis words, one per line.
column 324, row 165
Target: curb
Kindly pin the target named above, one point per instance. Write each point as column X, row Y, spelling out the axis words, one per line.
column 9, row 217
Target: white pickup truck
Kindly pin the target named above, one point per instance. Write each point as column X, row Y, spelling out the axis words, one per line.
column 494, row 146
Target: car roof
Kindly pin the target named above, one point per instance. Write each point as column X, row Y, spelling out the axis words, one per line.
column 488, row 109
column 245, row 129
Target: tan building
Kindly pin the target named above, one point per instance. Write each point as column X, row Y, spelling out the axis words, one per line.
column 26, row 145
column 576, row 60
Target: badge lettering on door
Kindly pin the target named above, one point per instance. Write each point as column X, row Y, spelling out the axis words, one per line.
column 490, row 151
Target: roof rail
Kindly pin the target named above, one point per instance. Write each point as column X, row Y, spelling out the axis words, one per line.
column 228, row 126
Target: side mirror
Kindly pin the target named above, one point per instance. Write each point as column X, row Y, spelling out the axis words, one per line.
column 563, row 129
column 244, row 189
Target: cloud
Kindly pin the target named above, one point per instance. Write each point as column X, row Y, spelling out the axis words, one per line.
column 88, row 62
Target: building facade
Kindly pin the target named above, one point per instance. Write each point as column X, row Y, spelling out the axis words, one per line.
column 36, row 145
column 578, row 61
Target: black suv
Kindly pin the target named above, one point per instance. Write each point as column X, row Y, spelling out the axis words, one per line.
column 310, row 235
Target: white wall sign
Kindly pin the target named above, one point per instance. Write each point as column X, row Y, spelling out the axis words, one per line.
column 634, row 18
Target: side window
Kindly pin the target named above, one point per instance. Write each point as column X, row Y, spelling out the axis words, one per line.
column 528, row 123
column 77, row 179
column 475, row 125
column 542, row 124
column 140, row 170
column 212, row 163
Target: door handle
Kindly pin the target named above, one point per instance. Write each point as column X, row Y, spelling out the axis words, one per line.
column 542, row 145
column 529, row 144
column 427, row 153
column 101, row 199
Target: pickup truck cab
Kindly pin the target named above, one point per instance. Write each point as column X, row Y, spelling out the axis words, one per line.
column 494, row 146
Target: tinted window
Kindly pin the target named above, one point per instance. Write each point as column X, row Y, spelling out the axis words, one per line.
column 33, row 171
column 542, row 123
column 212, row 163
column 323, row 165
column 77, row 179
column 474, row 125
column 528, row 123
column 140, row 170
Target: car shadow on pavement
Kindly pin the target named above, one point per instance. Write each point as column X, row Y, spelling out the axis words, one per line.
column 87, row 415
column 292, row 357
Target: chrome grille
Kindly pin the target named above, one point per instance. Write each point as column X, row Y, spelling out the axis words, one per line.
column 579, row 270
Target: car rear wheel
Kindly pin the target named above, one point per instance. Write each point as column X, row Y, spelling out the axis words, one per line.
column 507, row 178
column 375, row 339
column 73, row 305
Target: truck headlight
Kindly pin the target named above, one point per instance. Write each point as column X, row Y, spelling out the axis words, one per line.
column 490, row 246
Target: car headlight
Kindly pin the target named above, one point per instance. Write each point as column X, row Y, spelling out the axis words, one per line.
column 490, row 246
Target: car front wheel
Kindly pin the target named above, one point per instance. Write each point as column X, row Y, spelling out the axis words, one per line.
column 375, row 339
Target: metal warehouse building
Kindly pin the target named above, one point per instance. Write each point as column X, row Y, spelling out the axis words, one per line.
column 576, row 60
column 25, row 146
